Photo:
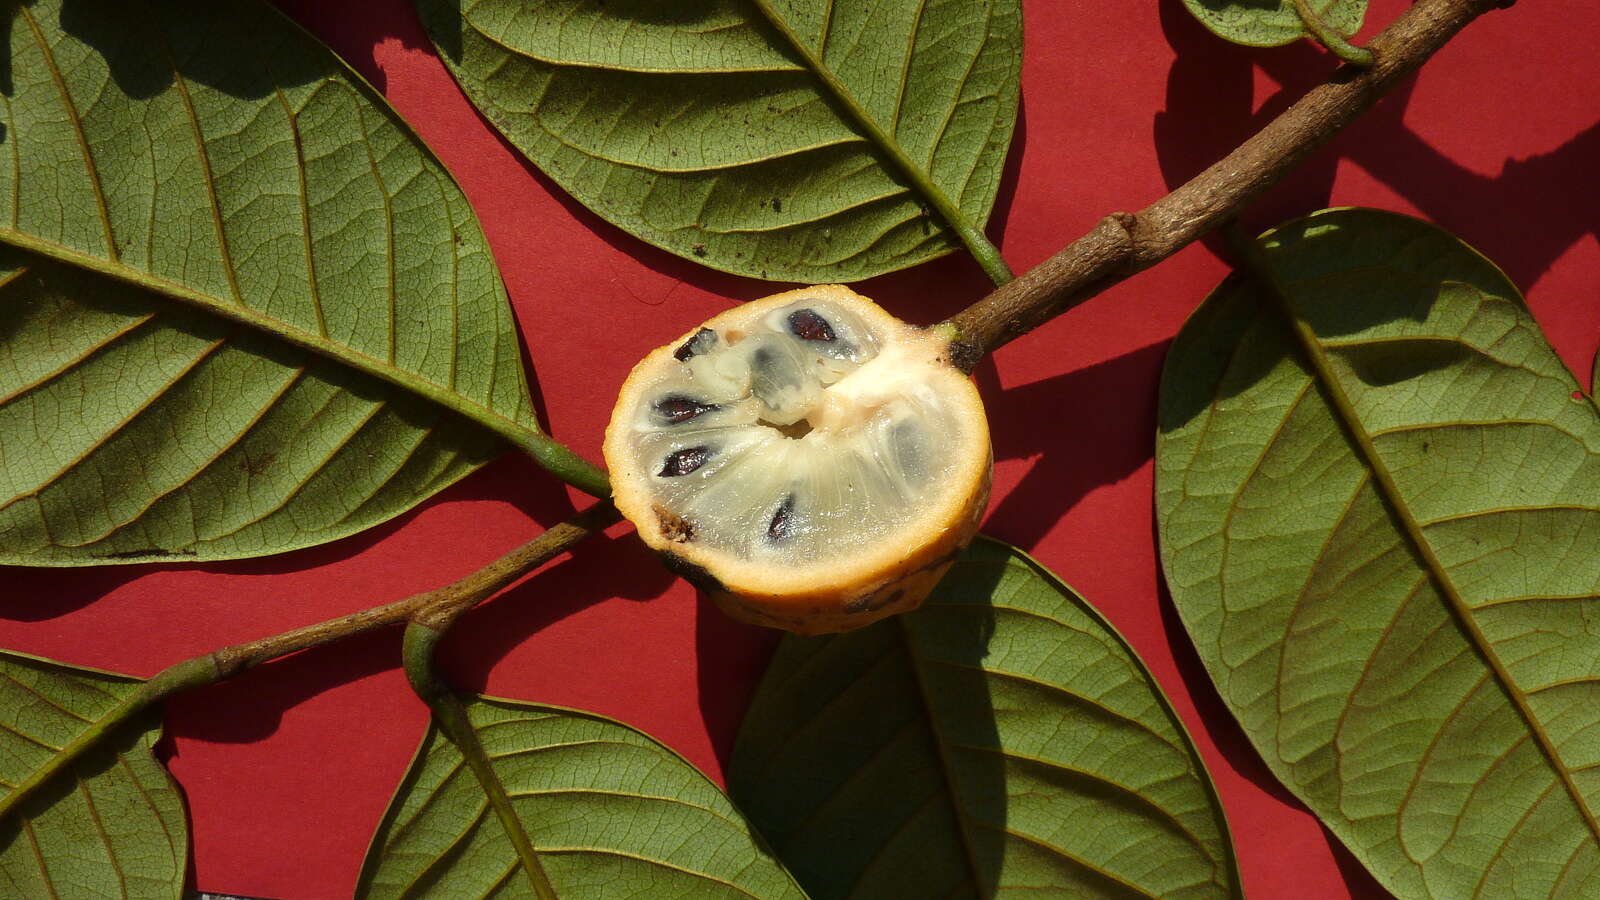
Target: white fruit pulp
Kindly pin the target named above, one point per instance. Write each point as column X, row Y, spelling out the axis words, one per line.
column 724, row 435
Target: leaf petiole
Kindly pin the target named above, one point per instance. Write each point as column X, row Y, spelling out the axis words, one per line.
column 1336, row 43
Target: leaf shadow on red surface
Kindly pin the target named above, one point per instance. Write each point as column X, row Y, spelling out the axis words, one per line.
column 248, row 707
column 730, row 658
column 626, row 568
column 1209, row 112
column 1045, row 421
column 1218, row 723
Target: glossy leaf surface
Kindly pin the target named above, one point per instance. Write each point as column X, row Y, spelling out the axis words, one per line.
column 1275, row 22
column 610, row 812
column 798, row 140
column 1001, row 741
column 1381, row 526
column 243, row 309
column 115, row 825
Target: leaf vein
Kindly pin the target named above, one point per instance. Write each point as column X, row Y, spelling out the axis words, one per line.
column 224, row 252
column 84, row 148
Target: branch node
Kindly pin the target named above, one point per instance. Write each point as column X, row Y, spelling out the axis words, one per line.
column 1127, row 221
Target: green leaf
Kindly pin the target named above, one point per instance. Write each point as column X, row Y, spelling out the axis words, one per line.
column 1002, row 740
column 115, row 825
column 1380, row 521
column 243, row 309
column 610, row 812
column 796, row 140
column 1272, row 23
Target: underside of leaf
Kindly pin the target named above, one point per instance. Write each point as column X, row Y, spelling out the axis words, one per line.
column 1274, row 22
column 243, row 309
column 1380, row 520
column 1002, row 739
column 784, row 139
column 610, row 812
column 112, row 826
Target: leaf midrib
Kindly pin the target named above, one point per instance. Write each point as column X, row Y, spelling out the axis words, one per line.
column 455, row 725
column 518, row 434
column 1388, row 490
column 946, row 770
column 952, row 214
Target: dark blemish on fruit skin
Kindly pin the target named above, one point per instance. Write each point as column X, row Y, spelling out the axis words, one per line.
column 684, row 461
column 678, row 409
column 674, row 527
column 807, row 325
column 871, row 603
column 688, row 571
column 782, row 526
column 702, row 341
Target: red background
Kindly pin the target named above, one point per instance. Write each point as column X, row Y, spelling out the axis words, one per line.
column 288, row 768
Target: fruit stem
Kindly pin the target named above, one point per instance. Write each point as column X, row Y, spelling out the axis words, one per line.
column 559, row 460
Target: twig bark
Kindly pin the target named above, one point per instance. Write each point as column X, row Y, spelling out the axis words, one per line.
column 441, row 605
column 1123, row 244
column 438, row 605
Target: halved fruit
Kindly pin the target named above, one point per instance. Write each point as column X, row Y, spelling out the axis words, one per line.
column 807, row 459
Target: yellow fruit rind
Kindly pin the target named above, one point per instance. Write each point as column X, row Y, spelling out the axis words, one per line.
column 844, row 599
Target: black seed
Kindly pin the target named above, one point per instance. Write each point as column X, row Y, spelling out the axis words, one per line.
column 905, row 439
column 678, row 409
column 806, row 324
column 781, row 526
column 684, row 461
column 702, row 341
